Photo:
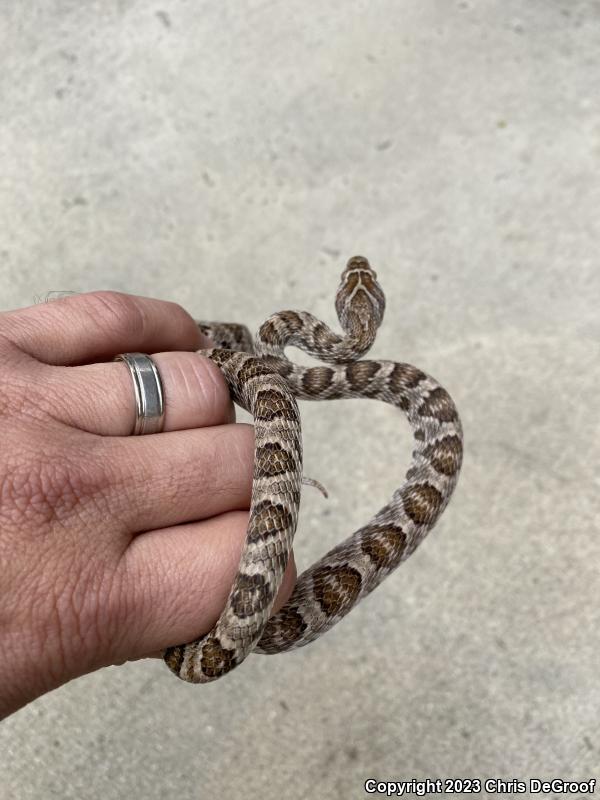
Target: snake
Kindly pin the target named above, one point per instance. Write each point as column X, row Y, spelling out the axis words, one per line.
column 263, row 381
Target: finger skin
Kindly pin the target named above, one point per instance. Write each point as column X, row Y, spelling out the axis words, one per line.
column 100, row 398
column 98, row 325
column 173, row 478
column 186, row 573
column 147, row 482
column 111, row 546
column 169, row 586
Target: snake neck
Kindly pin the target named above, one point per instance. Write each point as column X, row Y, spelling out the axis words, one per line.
column 304, row 331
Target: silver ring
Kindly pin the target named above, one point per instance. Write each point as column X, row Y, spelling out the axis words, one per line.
column 147, row 385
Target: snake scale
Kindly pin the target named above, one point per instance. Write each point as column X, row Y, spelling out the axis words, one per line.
column 264, row 382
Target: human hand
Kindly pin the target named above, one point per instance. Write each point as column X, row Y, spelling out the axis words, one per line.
column 112, row 547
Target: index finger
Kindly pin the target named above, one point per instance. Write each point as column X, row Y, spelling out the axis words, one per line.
column 95, row 326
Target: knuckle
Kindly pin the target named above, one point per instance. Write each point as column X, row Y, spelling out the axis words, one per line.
column 39, row 489
column 110, row 310
column 51, row 500
column 14, row 397
column 26, row 400
column 16, row 385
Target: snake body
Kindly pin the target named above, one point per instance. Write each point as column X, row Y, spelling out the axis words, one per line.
column 264, row 382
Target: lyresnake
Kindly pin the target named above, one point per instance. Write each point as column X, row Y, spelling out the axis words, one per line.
column 264, row 382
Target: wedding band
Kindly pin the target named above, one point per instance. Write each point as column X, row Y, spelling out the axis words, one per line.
column 148, row 389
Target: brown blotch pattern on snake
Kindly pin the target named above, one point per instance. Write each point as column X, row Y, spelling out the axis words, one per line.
column 316, row 379
column 336, row 588
column 272, row 459
column 216, row 659
column 446, row 455
column 384, row 544
column 422, row 503
column 264, row 381
column 268, row 519
column 252, row 595
column 290, row 626
column 291, row 320
column 253, row 368
column 270, row 405
column 361, row 373
column 438, row 404
column 405, row 376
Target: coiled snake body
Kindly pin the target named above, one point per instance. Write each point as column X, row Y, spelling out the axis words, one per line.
column 265, row 383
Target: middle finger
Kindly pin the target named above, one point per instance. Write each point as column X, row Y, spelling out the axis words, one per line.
column 165, row 479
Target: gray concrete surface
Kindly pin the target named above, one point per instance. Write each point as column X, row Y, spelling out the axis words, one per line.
column 230, row 156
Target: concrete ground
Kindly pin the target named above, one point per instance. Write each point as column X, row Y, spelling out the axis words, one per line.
column 231, row 156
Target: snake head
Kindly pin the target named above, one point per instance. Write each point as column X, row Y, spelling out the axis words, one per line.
column 359, row 301
column 358, row 262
